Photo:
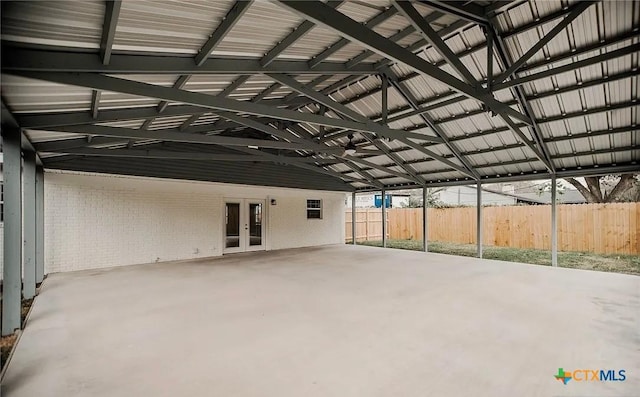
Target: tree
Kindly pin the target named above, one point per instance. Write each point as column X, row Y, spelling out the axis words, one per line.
column 609, row 189
column 416, row 201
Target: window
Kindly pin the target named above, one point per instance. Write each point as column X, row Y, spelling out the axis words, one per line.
column 314, row 209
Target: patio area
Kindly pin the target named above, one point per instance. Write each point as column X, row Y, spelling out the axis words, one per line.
column 328, row 321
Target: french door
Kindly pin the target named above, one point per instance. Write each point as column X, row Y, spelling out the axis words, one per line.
column 244, row 225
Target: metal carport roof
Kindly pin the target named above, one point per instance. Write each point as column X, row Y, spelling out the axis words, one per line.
column 267, row 93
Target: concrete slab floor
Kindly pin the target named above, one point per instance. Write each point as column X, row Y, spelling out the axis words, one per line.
column 329, row 321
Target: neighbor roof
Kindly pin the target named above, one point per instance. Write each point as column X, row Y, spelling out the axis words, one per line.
column 269, row 92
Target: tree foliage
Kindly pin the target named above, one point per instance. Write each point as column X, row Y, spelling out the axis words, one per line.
column 609, row 188
column 416, row 201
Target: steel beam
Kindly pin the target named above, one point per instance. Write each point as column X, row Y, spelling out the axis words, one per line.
column 338, row 45
column 228, row 22
column 522, row 101
column 173, row 155
column 401, row 35
column 336, row 106
column 505, row 85
column 467, row 168
column 29, row 225
column 379, row 167
column 321, row 14
column 470, row 12
column 203, row 100
column 95, row 103
column 437, row 157
column 385, row 100
column 632, row 49
column 531, row 145
column 370, row 179
column 33, row 60
column 111, row 15
column 536, row 23
column 577, row 9
column 479, row 219
column 175, row 135
column 41, row 120
column 12, row 262
column 301, row 164
column 39, row 224
column 292, row 37
column 427, row 32
column 353, row 115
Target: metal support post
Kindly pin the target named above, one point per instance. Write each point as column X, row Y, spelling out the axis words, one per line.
column 12, row 277
column 479, row 219
column 39, row 224
column 425, row 228
column 554, row 224
column 384, row 219
column 353, row 217
column 29, row 219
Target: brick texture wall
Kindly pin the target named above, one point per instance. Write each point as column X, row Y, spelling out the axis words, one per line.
column 95, row 221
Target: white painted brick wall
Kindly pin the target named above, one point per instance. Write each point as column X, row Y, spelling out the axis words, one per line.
column 94, row 221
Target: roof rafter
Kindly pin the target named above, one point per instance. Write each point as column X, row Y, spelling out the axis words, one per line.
column 423, row 27
column 111, row 15
column 521, row 99
column 470, row 12
column 467, row 167
column 576, row 10
column 206, row 101
column 24, row 59
column 338, row 107
column 321, row 14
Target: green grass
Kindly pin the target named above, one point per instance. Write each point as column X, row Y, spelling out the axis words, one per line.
column 628, row 264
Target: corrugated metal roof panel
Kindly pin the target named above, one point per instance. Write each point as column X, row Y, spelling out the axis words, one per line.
column 180, row 27
column 76, row 24
column 34, row 96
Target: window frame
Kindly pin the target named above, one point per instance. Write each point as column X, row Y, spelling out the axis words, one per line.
column 312, row 208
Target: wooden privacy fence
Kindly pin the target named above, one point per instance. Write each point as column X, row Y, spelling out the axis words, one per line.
column 601, row 228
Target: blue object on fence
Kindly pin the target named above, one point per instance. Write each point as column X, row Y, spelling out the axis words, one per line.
column 378, row 201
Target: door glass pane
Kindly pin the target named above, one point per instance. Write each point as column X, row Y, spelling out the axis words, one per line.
column 232, row 218
column 255, row 224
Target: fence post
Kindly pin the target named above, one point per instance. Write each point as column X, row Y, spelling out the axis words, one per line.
column 425, row 228
column 384, row 219
column 554, row 225
column 479, row 218
column 353, row 218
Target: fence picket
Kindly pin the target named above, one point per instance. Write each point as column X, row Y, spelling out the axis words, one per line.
column 601, row 228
